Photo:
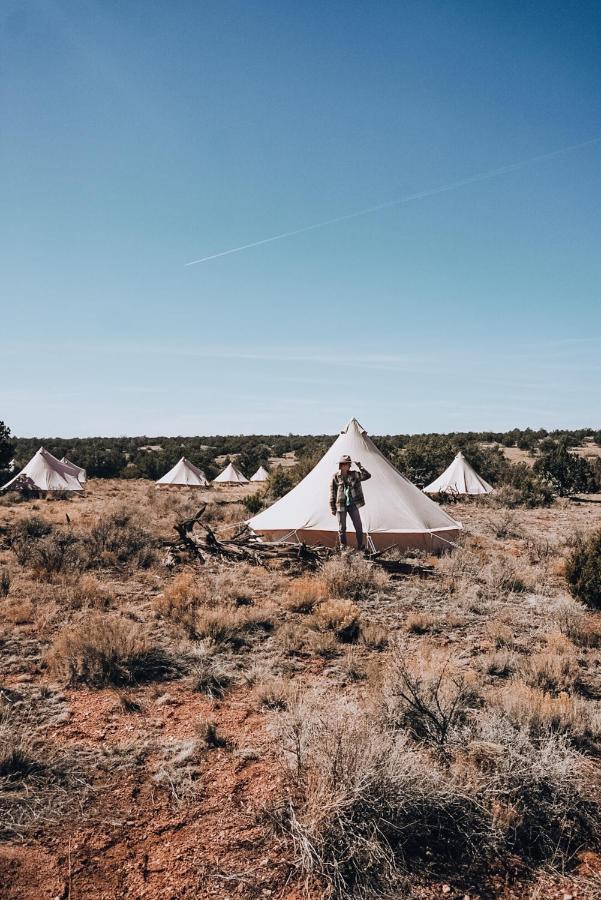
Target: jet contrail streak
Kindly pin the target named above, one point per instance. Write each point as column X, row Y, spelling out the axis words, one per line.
column 409, row 198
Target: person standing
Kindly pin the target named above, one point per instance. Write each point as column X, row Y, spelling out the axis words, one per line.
column 346, row 498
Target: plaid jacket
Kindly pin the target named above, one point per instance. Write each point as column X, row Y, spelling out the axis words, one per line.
column 353, row 480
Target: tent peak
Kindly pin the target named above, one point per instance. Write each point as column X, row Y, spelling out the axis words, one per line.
column 355, row 426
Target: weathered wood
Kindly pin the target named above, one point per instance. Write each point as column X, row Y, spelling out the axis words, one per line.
column 244, row 546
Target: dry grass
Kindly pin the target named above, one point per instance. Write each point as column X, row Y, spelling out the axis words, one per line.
column 540, row 712
column 107, row 650
column 305, row 593
column 420, row 623
column 39, row 784
column 339, row 616
column 274, row 693
column 368, row 805
column 375, row 637
column 351, row 576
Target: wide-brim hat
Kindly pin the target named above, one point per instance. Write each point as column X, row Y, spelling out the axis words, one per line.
column 344, row 459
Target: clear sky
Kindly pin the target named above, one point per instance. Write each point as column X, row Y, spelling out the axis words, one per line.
column 138, row 136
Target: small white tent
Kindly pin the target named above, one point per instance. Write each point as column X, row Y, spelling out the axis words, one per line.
column 44, row 472
column 396, row 512
column 231, row 475
column 77, row 470
column 186, row 473
column 459, row 478
column 261, row 474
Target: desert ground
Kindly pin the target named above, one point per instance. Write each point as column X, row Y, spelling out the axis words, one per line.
column 227, row 730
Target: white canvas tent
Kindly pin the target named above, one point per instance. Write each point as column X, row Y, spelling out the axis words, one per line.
column 77, row 470
column 396, row 512
column 184, row 473
column 44, row 472
column 261, row 474
column 459, row 478
column 231, row 475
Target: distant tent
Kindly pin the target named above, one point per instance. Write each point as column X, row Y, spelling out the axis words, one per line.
column 459, row 478
column 231, row 475
column 44, row 472
column 260, row 475
column 77, row 470
column 396, row 512
column 185, row 472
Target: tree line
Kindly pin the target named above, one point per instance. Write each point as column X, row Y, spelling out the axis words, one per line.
column 421, row 457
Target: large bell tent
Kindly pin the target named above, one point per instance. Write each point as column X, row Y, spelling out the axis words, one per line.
column 396, row 512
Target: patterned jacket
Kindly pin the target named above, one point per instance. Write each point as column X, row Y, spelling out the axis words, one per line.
column 353, row 481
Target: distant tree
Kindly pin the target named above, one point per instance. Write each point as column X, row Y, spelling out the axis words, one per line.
column 520, row 486
column 566, row 472
column 279, row 483
column 7, row 450
column 425, row 457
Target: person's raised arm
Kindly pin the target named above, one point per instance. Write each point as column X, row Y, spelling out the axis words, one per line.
column 364, row 474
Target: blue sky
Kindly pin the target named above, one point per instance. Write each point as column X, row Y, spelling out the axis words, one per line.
column 139, row 136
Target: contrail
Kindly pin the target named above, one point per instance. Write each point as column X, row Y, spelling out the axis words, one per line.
column 409, row 198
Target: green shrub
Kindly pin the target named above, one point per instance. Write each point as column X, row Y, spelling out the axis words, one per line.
column 583, row 571
column 253, row 503
column 280, row 482
column 564, row 471
column 522, row 487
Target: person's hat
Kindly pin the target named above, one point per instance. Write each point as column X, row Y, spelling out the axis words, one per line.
column 344, row 459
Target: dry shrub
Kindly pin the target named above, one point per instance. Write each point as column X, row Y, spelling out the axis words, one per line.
column 212, row 675
column 178, row 768
column 420, row 623
column 375, row 637
column 231, row 586
column 305, row 593
column 539, row 549
column 543, row 796
column 116, row 540
column 539, row 712
column 501, row 664
column 274, row 693
column 500, row 634
column 581, row 628
column 501, row 577
column 351, row 576
column 207, row 735
column 31, row 528
column 4, row 583
column 365, row 805
column 353, row 666
column 233, row 627
column 323, row 644
column 107, row 650
column 59, row 551
column 89, row 592
column 506, row 525
column 431, row 699
column 181, row 600
column 551, row 671
column 340, row 616
column 292, row 638
column 38, row 783
column 19, row 612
